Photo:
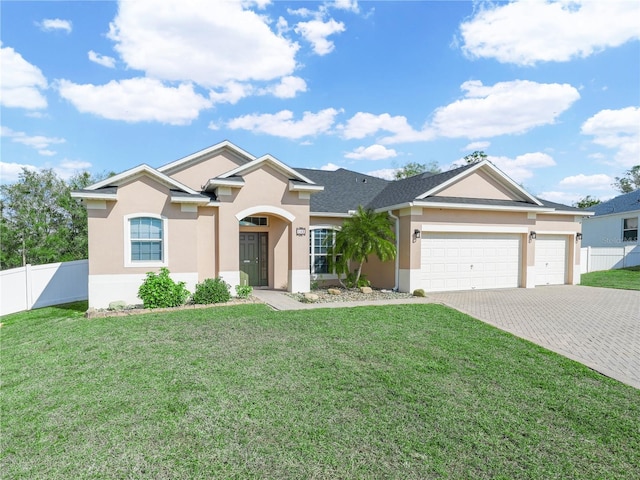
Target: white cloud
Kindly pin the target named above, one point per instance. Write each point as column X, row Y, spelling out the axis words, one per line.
column 385, row 173
column 566, row 198
column 51, row 24
column 618, row 130
column 316, row 33
column 21, row 83
column 473, row 146
column 504, row 108
column 179, row 40
column 519, row 168
column 231, row 93
column 103, row 60
column 363, row 124
column 68, row 168
column 349, row 5
column 9, row 172
column 373, row 152
column 37, row 142
column 282, row 124
column 288, row 87
column 136, row 100
column 528, row 32
column 592, row 182
column 330, row 167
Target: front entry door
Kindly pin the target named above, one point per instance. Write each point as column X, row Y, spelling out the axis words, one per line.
column 253, row 258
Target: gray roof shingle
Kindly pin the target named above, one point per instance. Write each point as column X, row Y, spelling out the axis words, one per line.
column 344, row 189
column 622, row 203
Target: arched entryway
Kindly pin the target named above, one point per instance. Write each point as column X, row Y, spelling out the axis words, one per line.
column 264, row 246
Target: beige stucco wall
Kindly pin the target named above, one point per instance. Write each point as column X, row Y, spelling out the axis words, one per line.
column 478, row 185
column 266, row 192
column 141, row 196
column 196, row 175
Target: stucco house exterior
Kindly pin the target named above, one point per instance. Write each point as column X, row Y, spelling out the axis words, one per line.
column 222, row 212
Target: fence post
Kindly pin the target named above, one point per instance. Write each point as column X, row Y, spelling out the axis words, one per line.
column 28, row 285
column 588, row 259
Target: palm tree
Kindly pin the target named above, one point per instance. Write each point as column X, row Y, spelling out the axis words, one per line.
column 363, row 234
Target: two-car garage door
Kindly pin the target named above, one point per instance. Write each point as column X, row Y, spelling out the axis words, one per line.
column 465, row 261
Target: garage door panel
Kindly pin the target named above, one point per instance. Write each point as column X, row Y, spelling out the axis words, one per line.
column 551, row 259
column 471, row 261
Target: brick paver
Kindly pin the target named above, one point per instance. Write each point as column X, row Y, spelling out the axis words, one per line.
column 598, row 327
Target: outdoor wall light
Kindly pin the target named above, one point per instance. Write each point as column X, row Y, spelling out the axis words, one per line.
column 578, row 237
column 416, row 235
column 532, row 236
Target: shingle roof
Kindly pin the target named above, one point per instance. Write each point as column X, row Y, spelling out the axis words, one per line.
column 406, row 190
column 627, row 202
column 559, row 206
column 344, row 189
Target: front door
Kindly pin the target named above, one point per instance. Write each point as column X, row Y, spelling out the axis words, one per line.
column 253, row 258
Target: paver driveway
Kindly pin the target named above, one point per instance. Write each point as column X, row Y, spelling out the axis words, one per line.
column 599, row 327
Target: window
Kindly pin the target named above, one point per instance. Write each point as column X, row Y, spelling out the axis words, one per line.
column 254, row 222
column 145, row 240
column 630, row 229
column 319, row 242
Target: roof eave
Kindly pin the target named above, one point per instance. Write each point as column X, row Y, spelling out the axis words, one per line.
column 293, row 187
column 95, row 196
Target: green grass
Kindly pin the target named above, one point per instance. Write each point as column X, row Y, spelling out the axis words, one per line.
column 411, row 391
column 624, row 278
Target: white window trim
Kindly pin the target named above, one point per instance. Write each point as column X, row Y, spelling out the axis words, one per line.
column 320, row 276
column 128, row 263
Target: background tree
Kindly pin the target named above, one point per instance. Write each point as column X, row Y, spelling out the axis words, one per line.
column 414, row 168
column 40, row 222
column 629, row 182
column 363, row 234
column 587, row 202
column 475, row 157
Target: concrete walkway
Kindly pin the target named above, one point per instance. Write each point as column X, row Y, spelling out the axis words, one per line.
column 597, row 327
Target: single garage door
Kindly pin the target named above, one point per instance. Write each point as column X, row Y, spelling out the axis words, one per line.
column 461, row 261
column 551, row 259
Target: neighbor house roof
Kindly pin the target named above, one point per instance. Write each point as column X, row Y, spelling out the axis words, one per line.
column 627, row 202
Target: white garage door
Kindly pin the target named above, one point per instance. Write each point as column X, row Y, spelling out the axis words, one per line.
column 459, row 261
column 551, row 259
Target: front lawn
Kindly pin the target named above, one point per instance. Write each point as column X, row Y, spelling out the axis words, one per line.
column 623, row 278
column 402, row 391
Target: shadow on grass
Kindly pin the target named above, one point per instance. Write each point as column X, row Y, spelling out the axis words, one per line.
column 81, row 306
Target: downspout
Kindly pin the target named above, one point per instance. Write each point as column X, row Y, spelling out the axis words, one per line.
column 397, row 266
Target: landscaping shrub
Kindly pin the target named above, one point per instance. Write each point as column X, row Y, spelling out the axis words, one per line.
column 212, row 290
column 419, row 293
column 243, row 291
column 350, row 281
column 160, row 291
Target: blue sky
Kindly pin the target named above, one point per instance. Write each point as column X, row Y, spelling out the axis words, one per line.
column 549, row 90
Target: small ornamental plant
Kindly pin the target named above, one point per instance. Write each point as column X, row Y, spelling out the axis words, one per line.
column 212, row 290
column 160, row 291
column 243, row 291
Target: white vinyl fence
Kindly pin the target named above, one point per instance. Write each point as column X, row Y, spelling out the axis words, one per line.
column 36, row 286
column 593, row 259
